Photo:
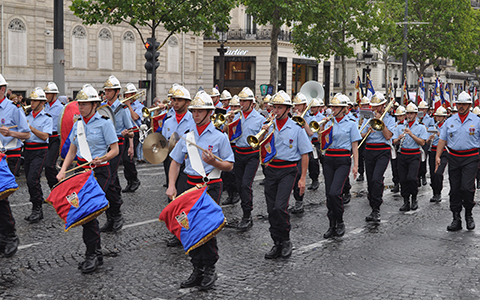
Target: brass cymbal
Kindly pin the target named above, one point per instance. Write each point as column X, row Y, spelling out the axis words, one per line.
column 172, row 141
column 155, row 148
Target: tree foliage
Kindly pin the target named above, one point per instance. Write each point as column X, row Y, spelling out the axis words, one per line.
column 468, row 58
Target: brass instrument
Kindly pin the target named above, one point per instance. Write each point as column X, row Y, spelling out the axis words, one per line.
column 26, row 108
column 220, row 119
column 377, row 124
column 133, row 97
column 299, row 119
column 146, row 111
column 315, row 126
column 254, row 140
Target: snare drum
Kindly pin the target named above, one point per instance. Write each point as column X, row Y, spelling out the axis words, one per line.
column 8, row 185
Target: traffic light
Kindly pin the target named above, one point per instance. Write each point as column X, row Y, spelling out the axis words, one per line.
column 151, row 55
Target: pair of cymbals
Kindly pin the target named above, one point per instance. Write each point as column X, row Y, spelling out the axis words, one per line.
column 156, row 148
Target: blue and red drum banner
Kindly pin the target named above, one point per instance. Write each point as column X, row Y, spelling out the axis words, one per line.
column 235, row 129
column 69, row 116
column 78, row 199
column 267, row 149
column 194, row 217
column 8, row 185
column 326, row 138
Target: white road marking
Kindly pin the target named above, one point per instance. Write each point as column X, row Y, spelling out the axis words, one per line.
column 318, row 244
column 141, row 223
column 20, row 204
column 27, row 246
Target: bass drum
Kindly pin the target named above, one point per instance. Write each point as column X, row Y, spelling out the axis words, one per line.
column 107, row 111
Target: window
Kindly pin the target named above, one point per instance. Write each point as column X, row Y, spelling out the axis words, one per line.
column 17, row 43
column 129, row 51
column 250, row 25
column 79, row 47
column 193, row 61
column 105, row 49
column 173, row 62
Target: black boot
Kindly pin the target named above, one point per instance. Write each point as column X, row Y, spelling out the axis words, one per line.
column 91, row 260
column 275, row 252
column 117, row 223
column 286, row 249
column 414, row 203
column 374, row 216
column 173, row 242
column 340, row 229
column 245, row 224
column 229, row 200
column 331, row 232
column 314, row 186
column 236, row 197
column 406, row 204
column 108, row 226
column 436, row 198
column 127, row 188
column 11, row 244
column 135, row 185
column 469, row 219
column 195, row 278
column 209, row 278
column 424, row 180
column 456, row 223
column 396, row 188
column 346, row 198
column 298, row 208
column 36, row 215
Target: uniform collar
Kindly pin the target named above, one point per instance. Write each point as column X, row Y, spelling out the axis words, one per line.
column 209, row 128
column 469, row 117
column 5, row 102
column 94, row 117
column 287, row 124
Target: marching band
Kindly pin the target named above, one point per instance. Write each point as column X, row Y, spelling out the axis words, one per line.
column 216, row 140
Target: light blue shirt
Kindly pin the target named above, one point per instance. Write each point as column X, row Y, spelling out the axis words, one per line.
column 210, row 138
column 55, row 111
column 137, row 108
column 417, row 129
column 291, row 142
column 461, row 136
column 100, row 135
column 42, row 123
column 436, row 137
column 123, row 119
column 376, row 137
column 171, row 112
column 170, row 126
column 345, row 133
column 428, row 121
column 250, row 126
column 11, row 115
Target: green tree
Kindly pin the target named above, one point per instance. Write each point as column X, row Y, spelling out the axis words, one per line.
column 468, row 58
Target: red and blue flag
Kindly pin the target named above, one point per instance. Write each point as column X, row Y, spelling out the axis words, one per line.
column 326, row 138
column 193, row 217
column 267, row 149
column 235, row 129
column 8, row 185
column 158, row 121
column 78, row 199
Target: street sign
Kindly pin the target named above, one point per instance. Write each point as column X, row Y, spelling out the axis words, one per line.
column 263, row 89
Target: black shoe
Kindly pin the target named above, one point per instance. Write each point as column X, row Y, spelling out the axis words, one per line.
column 134, row 185
column 456, row 224
column 340, row 230
column 236, row 197
column 286, row 249
column 360, row 177
column 195, row 278
column 436, row 198
column 374, row 216
column 117, row 223
column 347, row 198
column 209, row 278
column 298, row 208
column 331, row 232
column 314, row 186
column 395, row 189
column 414, row 203
column 127, row 188
column 173, row 242
column 262, row 182
column 229, row 200
column 11, row 244
column 275, row 252
column 406, row 205
column 245, row 224
column 36, row 215
column 108, row 226
column 90, row 264
column 424, row 180
column 469, row 219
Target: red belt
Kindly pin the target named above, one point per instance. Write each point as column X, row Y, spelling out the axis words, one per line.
column 280, row 164
column 410, row 151
column 246, row 150
column 194, row 180
column 54, row 134
column 338, row 152
column 315, row 140
column 464, row 153
column 13, row 153
column 36, row 146
column 434, row 148
column 121, row 139
column 377, row 146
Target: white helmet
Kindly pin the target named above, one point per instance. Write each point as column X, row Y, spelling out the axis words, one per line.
column 441, row 112
column 202, row 101
column 321, row 102
column 112, row 83
column 37, row 94
column 281, row 98
column 300, row 98
column 365, row 100
column 181, row 93
column 316, row 102
column 214, row 92
column 267, row 99
column 423, row 104
column 130, row 88
column 2, row 81
column 246, row 94
column 234, row 101
column 476, row 110
column 400, row 111
column 412, row 108
column 378, row 99
column 87, row 94
column 464, row 97
column 349, row 101
column 51, row 88
column 172, row 89
column 225, row 95
column 339, row 100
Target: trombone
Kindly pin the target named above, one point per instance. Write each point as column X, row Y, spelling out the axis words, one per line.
column 146, row 111
column 133, row 97
column 254, row 140
column 220, row 119
column 377, row 124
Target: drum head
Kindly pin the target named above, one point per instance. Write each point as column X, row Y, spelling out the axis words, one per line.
column 107, row 111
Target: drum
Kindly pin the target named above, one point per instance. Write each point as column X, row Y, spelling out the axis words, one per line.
column 107, row 111
column 194, row 217
column 78, row 199
column 8, row 185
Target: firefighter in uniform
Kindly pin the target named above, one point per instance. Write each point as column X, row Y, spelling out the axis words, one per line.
column 215, row 94
column 10, row 144
column 377, row 155
column 437, row 176
column 400, row 116
column 103, row 144
column 461, row 135
column 409, row 138
column 129, row 169
column 36, row 151
column 123, row 122
column 225, row 99
column 54, row 108
column 427, row 121
column 292, row 146
column 315, row 155
column 247, row 158
column 337, row 162
column 364, row 104
column 215, row 142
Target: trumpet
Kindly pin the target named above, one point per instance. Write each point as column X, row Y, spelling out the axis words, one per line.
column 220, row 119
column 146, row 111
column 315, row 126
column 26, row 108
column 133, row 97
column 299, row 119
column 377, row 124
column 254, row 140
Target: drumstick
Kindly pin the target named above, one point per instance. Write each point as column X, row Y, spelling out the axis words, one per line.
column 10, row 127
column 85, row 164
column 193, row 144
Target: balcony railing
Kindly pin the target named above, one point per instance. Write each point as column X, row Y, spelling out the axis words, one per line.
column 255, row 34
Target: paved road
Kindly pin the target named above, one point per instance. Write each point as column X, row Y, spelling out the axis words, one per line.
column 408, row 256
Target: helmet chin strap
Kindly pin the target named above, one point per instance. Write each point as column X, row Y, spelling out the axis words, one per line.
column 201, row 123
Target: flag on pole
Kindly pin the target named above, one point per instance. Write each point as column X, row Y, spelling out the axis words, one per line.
column 370, row 89
column 326, row 138
column 437, row 101
column 405, row 92
column 359, row 88
column 421, row 95
column 8, row 185
column 447, row 95
column 267, row 149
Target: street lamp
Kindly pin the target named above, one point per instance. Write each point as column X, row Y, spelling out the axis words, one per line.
column 367, row 56
column 222, row 39
column 395, row 85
